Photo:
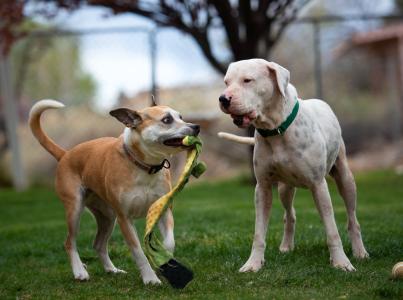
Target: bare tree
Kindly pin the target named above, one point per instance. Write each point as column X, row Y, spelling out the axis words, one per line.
column 252, row 27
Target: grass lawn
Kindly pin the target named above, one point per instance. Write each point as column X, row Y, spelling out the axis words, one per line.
column 214, row 230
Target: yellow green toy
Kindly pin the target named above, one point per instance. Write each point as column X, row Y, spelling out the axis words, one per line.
column 160, row 258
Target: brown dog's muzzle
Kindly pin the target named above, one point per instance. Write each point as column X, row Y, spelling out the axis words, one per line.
column 195, row 128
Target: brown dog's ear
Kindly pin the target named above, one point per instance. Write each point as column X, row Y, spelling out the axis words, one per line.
column 127, row 116
column 282, row 76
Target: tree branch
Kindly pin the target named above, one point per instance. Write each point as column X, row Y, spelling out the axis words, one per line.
column 194, row 17
column 286, row 21
column 168, row 16
column 229, row 21
column 263, row 5
column 163, row 15
column 204, row 43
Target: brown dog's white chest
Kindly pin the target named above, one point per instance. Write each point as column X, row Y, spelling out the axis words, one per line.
column 135, row 199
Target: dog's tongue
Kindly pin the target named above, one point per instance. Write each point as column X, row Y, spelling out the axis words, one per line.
column 246, row 121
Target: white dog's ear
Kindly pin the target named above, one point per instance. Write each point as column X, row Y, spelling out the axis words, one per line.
column 127, row 116
column 282, row 76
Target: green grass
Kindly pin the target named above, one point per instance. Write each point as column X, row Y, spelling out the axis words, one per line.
column 214, row 230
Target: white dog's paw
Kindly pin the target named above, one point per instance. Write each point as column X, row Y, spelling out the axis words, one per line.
column 252, row 265
column 286, row 247
column 361, row 253
column 343, row 263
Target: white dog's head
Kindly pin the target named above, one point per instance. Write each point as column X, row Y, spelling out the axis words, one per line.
column 158, row 130
column 254, row 86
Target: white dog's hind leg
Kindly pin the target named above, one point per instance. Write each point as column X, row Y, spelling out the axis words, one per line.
column 324, row 205
column 166, row 226
column 347, row 189
column 263, row 203
column 287, row 193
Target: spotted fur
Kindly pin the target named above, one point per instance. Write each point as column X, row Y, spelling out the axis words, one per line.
column 302, row 157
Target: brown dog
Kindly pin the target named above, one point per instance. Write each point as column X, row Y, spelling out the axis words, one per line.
column 117, row 178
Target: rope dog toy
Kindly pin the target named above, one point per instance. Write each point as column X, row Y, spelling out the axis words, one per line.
column 160, row 258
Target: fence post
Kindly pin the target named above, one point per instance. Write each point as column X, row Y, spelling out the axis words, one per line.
column 399, row 108
column 11, row 118
column 393, row 96
column 152, row 40
column 317, row 58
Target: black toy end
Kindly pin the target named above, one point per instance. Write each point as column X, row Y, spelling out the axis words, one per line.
column 177, row 274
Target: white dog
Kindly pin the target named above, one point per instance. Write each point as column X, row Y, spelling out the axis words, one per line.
column 297, row 143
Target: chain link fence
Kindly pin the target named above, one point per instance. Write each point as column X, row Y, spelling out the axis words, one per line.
column 360, row 81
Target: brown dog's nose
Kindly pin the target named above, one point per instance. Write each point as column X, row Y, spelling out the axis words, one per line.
column 196, row 128
column 225, row 102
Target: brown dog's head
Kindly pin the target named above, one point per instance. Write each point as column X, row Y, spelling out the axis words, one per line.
column 253, row 85
column 159, row 129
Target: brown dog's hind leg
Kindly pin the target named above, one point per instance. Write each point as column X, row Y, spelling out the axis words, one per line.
column 347, row 189
column 106, row 223
column 69, row 189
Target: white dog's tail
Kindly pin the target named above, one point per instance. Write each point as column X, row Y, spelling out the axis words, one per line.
column 237, row 138
column 35, row 125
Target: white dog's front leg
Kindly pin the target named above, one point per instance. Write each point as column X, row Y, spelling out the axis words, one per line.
column 166, row 226
column 263, row 202
column 129, row 232
column 324, row 205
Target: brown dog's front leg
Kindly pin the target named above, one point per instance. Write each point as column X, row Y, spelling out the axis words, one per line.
column 166, row 226
column 129, row 232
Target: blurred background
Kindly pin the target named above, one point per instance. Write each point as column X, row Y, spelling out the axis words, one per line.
column 98, row 55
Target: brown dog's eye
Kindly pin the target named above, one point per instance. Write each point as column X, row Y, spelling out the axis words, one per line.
column 246, row 80
column 167, row 120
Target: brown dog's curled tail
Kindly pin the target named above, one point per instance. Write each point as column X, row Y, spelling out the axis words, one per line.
column 35, row 125
column 237, row 138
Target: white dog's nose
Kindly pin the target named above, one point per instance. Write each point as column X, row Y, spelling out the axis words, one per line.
column 225, row 102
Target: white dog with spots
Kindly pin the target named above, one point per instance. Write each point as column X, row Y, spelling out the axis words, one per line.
column 308, row 146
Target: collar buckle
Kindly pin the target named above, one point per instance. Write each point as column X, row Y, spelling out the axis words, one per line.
column 155, row 169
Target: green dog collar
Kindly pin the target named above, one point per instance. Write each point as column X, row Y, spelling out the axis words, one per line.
column 284, row 126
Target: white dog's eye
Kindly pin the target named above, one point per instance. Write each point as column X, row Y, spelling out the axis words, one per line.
column 246, row 80
column 167, row 120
